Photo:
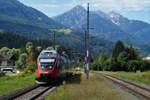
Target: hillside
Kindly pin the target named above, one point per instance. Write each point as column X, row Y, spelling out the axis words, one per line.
column 31, row 24
column 14, row 11
column 76, row 19
column 17, row 18
column 6, row 40
column 111, row 27
column 127, row 25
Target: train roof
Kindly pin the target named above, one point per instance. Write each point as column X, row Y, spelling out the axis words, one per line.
column 45, row 54
column 51, row 51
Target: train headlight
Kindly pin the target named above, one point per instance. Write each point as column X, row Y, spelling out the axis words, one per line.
column 50, row 67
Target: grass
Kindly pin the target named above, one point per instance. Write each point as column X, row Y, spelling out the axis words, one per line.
column 65, row 31
column 81, row 89
column 11, row 83
column 140, row 77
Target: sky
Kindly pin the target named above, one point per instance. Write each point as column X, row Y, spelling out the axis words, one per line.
column 132, row 9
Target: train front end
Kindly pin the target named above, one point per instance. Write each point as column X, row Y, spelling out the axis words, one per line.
column 47, row 67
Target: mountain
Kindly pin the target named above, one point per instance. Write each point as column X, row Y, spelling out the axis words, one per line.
column 22, row 23
column 110, row 27
column 139, row 30
column 143, row 36
column 13, row 10
column 32, row 25
column 129, row 26
column 76, row 19
column 20, row 19
column 18, row 41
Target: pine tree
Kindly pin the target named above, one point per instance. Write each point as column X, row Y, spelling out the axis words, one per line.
column 119, row 47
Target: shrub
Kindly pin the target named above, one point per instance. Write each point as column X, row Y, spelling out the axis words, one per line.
column 119, row 47
column 107, row 66
column 96, row 66
column 22, row 62
column 31, row 67
column 133, row 65
column 145, row 65
column 2, row 74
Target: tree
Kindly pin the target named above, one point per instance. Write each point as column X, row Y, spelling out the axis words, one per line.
column 107, row 64
column 4, row 51
column 29, row 47
column 30, row 51
column 145, row 65
column 37, row 51
column 50, row 48
column 122, row 59
column 123, row 56
column 133, row 54
column 14, row 52
column 119, row 47
column 101, row 58
column 22, row 62
column 98, row 64
column 133, row 65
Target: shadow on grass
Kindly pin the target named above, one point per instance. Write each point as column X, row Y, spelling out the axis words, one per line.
column 73, row 78
column 70, row 78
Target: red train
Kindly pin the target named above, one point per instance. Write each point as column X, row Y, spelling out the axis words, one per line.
column 50, row 66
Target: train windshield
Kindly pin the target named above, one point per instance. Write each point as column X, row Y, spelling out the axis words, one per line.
column 46, row 64
column 47, row 55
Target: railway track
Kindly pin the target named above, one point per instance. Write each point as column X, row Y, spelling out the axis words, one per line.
column 135, row 88
column 36, row 92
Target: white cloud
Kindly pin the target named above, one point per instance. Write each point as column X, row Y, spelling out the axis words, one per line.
column 116, row 5
column 52, row 5
column 52, row 9
column 55, row 7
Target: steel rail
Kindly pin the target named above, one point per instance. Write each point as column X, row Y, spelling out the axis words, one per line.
column 138, row 89
column 18, row 93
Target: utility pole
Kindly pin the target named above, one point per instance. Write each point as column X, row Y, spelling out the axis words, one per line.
column 54, row 39
column 85, row 38
column 86, row 67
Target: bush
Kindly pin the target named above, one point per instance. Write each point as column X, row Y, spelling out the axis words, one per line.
column 124, row 66
column 31, row 68
column 107, row 66
column 28, row 70
column 2, row 74
column 96, row 67
column 145, row 65
column 119, row 47
column 133, row 65
column 115, row 66
column 22, row 62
